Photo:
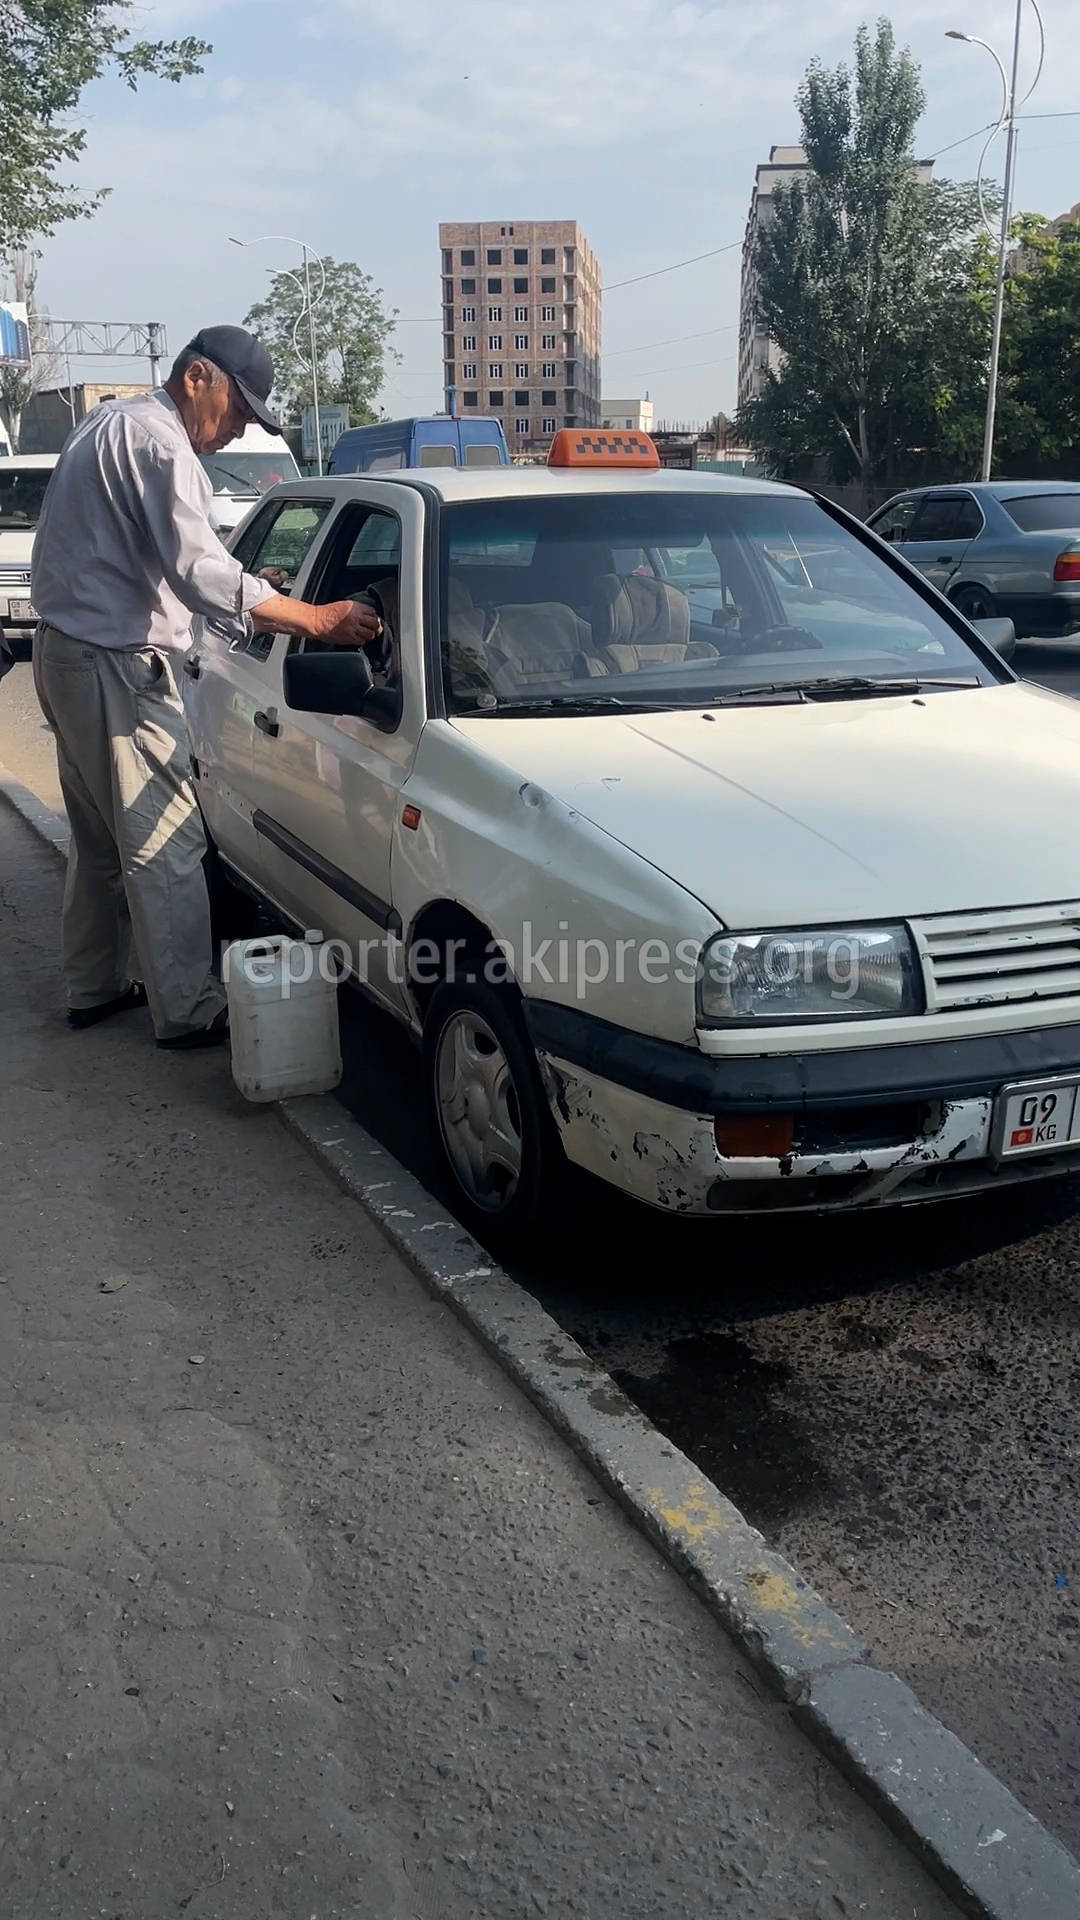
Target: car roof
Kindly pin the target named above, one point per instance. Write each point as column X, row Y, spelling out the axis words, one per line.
column 510, row 483
column 998, row 489
column 28, row 460
column 1023, row 489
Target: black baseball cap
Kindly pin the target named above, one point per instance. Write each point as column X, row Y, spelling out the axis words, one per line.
column 245, row 360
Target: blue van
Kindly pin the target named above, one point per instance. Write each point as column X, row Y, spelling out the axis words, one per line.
column 434, row 441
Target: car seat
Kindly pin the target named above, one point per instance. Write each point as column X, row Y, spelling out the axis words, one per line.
column 642, row 622
column 503, row 648
column 543, row 641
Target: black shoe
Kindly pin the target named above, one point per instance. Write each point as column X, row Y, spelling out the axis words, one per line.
column 134, row 996
column 215, row 1035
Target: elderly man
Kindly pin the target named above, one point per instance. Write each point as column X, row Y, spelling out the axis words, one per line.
column 124, row 557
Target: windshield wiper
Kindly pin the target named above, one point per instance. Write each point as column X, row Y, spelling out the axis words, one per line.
column 840, row 686
column 571, row 704
column 245, row 485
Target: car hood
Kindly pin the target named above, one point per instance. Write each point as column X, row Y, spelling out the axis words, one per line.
column 820, row 813
column 16, row 545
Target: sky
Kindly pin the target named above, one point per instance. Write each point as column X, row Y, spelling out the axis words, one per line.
column 357, row 125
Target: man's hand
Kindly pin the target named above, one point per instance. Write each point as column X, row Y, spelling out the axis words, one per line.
column 340, row 624
column 344, row 624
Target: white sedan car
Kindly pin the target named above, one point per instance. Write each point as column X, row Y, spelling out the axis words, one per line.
column 695, row 836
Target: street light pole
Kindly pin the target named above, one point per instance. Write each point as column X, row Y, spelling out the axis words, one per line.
column 310, row 305
column 1003, row 255
column 314, row 361
column 1007, row 119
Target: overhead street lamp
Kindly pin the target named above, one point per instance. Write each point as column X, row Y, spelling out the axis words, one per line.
column 1006, row 118
column 309, row 307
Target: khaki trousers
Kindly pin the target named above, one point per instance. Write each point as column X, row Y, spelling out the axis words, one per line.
column 135, row 869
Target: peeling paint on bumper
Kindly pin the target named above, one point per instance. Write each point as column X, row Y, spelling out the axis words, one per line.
column 669, row 1159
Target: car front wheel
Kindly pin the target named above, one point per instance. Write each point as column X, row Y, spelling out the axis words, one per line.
column 234, row 915
column 489, row 1115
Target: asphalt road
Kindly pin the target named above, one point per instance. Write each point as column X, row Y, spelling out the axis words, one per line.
column 893, row 1400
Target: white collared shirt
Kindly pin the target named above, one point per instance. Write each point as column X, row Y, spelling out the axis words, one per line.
column 125, row 554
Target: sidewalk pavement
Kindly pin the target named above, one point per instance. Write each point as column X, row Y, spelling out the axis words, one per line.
column 304, row 1610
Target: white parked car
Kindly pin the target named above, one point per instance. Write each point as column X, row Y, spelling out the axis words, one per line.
column 23, row 480
column 697, row 838
column 242, row 472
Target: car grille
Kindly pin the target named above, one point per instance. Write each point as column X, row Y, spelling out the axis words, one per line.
column 1000, row 957
column 12, row 576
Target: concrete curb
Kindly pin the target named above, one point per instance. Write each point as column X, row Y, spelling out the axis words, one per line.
column 989, row 1854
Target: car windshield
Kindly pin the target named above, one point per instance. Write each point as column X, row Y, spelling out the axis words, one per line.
column 660, row 599
column 1045, row 512
column 22, row 490
column 233, row 471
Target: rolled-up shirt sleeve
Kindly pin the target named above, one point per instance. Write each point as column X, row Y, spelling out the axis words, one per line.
column 201, row 572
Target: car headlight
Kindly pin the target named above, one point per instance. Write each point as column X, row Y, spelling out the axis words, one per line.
column 832, row 973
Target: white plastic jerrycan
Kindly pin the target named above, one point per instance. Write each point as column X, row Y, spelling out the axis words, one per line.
column 284, row 1035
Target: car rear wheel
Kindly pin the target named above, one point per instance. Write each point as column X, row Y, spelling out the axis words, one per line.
column 489, row 1115
column 974, row 603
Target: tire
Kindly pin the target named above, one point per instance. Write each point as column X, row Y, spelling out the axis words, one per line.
column 234, row 915
column 974, row 603
column 479, row 1068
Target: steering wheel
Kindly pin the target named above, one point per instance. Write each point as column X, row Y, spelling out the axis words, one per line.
column 786, row 640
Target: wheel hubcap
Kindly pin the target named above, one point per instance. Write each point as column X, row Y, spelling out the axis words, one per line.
column 479, row 1111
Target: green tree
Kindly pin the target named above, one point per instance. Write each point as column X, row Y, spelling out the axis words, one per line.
column 1039, row 394
column 19, row 384
column 872, row 282
column 352, row 337
column 50, row 50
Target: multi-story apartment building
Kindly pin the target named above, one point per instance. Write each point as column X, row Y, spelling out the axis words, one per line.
column 521, row 326
column 758, row 352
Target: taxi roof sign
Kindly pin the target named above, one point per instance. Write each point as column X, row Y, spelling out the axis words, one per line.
column 588, row 447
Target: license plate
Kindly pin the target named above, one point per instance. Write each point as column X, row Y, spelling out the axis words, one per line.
column 20, row 610
column 1036, row 1117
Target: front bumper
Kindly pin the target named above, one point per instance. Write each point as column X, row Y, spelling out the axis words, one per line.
column 871, row 1125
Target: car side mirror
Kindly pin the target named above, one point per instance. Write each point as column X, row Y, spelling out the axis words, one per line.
column 338, row 682
column 999, row 634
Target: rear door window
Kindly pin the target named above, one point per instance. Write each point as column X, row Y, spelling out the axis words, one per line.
column 277, row 543
column 280, row 538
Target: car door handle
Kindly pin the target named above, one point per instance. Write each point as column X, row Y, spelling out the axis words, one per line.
column 192, row 666
column 268, row 723
column 944, row 560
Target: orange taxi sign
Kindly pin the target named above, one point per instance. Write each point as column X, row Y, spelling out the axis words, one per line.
column 588, row 447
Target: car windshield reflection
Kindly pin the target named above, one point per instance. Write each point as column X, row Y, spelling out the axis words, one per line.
column 675, row 599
